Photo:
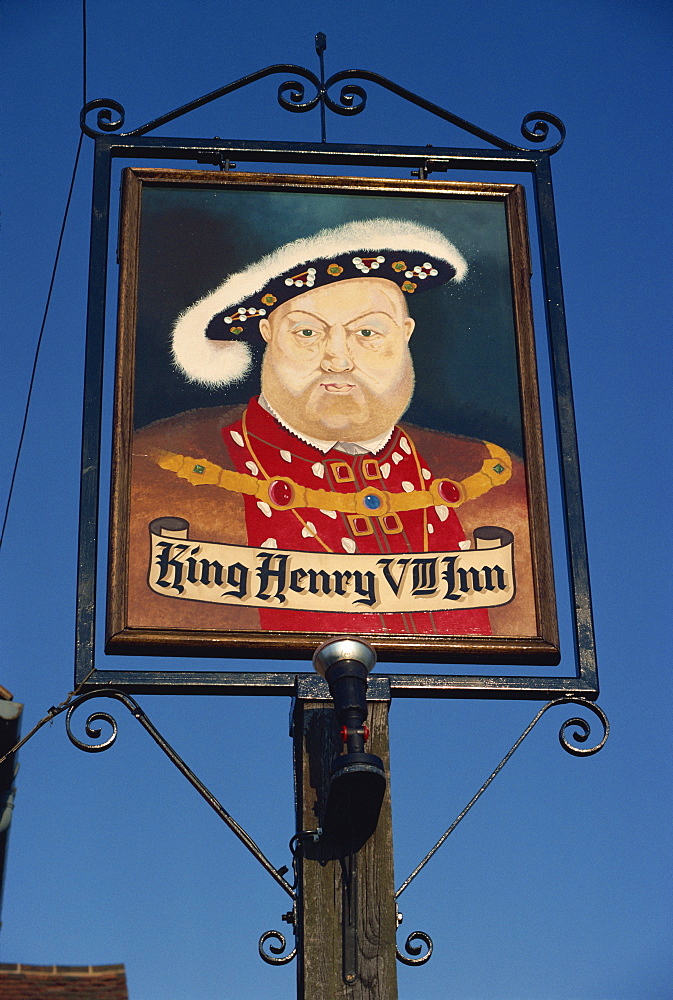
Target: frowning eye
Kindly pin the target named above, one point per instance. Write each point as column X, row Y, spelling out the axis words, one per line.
column 306, row 333
column 367, row 333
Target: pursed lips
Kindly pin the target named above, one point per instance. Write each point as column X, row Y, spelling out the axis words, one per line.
column 338, row 387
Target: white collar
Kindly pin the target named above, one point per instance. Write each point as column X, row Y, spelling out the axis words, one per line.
column 371, row 446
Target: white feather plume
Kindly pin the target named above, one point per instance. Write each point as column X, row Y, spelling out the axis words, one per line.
column 220, row 362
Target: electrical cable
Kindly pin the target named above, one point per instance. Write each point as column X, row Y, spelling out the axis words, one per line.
column 51, row 714
column 49, row 293
column 39, row 344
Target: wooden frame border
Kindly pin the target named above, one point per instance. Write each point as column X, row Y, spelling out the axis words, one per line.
column 542, row 648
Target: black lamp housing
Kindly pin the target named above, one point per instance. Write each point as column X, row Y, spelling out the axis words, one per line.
column 358, row 781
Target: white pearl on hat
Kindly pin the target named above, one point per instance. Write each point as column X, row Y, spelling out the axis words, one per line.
column 289, row 281
column 381, row 260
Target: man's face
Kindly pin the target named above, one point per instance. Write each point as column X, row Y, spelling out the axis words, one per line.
column 337, row 362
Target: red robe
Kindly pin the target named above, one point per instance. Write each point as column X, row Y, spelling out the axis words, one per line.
column 260, row 446
column 220, row 515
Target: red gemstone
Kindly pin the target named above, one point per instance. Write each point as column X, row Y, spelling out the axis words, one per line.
column 280, row 493
column 449, row 491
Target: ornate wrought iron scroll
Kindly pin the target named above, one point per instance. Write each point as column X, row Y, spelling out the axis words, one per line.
column 580, row 735
column 351, row 100
column 275, row 955
column 414, row 952
column 136, row 711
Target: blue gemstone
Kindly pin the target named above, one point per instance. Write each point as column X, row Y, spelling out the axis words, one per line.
column 372, row 502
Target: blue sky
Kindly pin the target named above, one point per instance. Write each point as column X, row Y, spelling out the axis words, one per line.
column 558, row 883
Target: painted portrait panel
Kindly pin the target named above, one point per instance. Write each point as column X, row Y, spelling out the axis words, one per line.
column 327, row 421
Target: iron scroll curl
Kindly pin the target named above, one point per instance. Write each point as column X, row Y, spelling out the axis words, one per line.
column 352, row 97
column 540, row 130
column 583, row 731
column 291, row 93
column 276, row 957
column 91, row 731
column 414, row 956
column 105, row 119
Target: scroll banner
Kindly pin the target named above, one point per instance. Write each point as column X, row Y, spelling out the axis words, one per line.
column 220, row 573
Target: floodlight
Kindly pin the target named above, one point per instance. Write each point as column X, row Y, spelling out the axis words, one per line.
column 358, row 782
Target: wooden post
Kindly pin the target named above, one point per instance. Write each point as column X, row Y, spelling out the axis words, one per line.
column 337, row 959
